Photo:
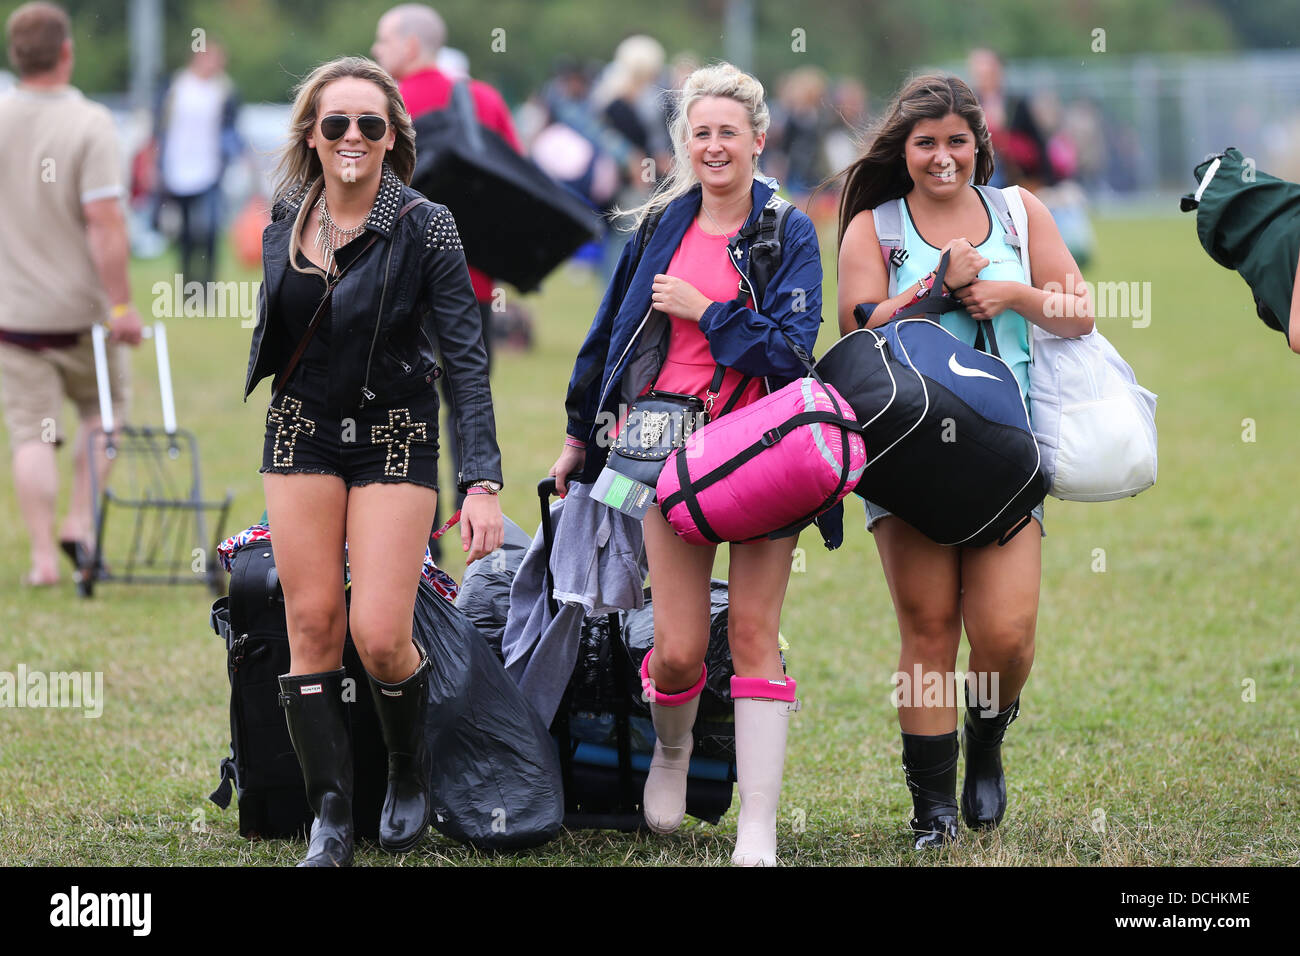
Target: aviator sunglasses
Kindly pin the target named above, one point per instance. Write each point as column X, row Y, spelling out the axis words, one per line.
column 372, row 126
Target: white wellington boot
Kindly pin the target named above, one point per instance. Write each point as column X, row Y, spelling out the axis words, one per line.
column 763, row 710
column 664, row 800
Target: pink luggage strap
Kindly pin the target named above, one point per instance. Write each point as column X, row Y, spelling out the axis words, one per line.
column 688, row 489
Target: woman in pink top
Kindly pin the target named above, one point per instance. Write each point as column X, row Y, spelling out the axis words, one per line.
column 702, row 262
column 710, row 194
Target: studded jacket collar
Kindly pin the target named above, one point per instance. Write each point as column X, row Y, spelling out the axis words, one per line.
column 406, row 300
column 382, row 214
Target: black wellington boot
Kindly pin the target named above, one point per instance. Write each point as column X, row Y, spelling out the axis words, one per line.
column 984, row 791
column 402, row 710
column 930, row 764
column 318, row 726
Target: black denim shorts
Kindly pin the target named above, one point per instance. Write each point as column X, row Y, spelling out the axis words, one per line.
column 397, row 442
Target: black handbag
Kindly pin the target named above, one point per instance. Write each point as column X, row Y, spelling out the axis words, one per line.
column 657, row 423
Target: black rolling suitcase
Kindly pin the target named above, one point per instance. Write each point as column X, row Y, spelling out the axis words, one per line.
column 602, row 727
column 262, row 768
column 495, row 777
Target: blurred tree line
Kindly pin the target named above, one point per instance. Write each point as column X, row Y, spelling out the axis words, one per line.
column 514, row 43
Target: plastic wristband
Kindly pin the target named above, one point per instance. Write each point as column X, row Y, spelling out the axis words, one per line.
column 478, row 491
column 572, row 442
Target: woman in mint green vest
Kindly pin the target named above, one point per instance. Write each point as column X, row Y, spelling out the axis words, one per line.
column 930, row 150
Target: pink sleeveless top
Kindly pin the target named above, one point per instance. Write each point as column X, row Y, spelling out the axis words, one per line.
column 702, row 260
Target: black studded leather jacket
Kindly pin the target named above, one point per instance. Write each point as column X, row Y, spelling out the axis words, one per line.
column 406, row 300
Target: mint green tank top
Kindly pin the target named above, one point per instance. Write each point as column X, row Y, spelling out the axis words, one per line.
column 1004, row 266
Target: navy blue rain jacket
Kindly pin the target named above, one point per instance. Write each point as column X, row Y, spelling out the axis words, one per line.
column 628, row 342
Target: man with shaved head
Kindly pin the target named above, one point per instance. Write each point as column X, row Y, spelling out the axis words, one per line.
column 407, row 42
column 63, row 268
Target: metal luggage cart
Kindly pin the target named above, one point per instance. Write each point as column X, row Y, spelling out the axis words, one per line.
column 154, row 490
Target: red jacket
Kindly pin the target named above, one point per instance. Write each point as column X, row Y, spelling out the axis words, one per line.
column 430, row 89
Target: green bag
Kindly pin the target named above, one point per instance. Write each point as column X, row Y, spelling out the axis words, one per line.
column 1249, row 221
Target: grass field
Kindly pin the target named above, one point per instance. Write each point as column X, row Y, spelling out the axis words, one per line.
column 1160, row 725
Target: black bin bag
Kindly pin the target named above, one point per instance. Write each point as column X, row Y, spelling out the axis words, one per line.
column 495, row 776
column 715, row 723
column 484, row 595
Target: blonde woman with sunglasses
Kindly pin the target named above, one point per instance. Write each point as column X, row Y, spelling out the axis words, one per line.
column 363, row 277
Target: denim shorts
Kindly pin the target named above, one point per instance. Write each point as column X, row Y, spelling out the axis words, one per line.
column 395, row 442
column 875, row 513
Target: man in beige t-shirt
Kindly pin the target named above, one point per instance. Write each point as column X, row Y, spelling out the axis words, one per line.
column 63, row 267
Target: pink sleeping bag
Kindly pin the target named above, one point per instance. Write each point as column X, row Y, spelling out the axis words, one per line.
column 764, row 470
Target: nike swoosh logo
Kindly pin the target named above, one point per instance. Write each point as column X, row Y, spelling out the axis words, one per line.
column 958, row 369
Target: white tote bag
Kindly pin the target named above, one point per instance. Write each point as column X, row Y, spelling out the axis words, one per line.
column 1095, row 425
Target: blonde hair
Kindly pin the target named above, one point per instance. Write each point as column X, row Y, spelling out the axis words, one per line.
column 637, row 62
column 717, row 79
column 299, row 168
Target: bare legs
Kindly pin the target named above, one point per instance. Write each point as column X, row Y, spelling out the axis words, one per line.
column 387, row 527
column 993, row 591
column 679, row 580
column 36, row 485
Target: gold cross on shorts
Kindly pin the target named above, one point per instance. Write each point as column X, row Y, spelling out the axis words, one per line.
column 288, row 421
column 398, row 435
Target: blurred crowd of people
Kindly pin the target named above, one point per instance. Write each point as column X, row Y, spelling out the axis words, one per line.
column 601, row 129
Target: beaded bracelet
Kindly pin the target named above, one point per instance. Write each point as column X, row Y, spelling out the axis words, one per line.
column 924, row 285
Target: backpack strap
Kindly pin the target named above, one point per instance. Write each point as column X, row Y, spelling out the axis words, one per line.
column 998, row 202
column 765, row 254
column 647, row 230
column 888, row 219
column 1018, row 217
column 1015, row 204
column 765, row 250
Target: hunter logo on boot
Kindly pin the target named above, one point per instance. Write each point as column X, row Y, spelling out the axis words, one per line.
column 310, row 689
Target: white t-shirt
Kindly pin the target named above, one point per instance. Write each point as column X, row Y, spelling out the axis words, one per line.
column 192, row 151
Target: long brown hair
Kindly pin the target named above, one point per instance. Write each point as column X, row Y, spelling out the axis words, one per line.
column 881, row 174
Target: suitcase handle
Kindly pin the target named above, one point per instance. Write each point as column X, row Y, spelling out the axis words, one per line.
column 545, row 492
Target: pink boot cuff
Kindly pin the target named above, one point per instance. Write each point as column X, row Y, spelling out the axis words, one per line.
column 761, row 687
column 669, row 700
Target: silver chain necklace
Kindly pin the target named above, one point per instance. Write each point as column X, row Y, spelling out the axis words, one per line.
column 715, row 222
column 331, row 236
